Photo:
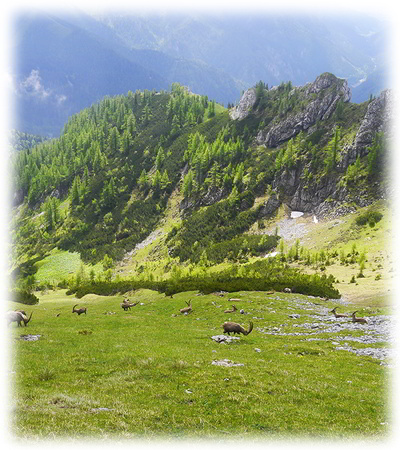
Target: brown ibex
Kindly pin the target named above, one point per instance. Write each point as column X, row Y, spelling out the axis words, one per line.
column 79, row 311
column 19, row 317
column 336, row 314
column 235, row 328
column 358, row 319
column 126, row 304
column 233, row 309
column 188, row 309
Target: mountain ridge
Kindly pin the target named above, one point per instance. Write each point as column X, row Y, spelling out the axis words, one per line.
column 104, row 185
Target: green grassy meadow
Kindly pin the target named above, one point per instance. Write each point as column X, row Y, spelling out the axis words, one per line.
column 148, row 372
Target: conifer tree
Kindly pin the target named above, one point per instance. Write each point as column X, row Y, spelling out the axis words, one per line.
column 75, row 191
column 143, row 181
column 113, row 140
column 188, row 184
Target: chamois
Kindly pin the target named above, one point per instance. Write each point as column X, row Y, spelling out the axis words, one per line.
column 235, row 328
column 19, row 317
column 358, row 319
column 188, row 309
column 233, row 309
column 79, row 311
column 336, row 314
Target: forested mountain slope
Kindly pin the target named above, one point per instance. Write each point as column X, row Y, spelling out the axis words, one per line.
column 104, row 185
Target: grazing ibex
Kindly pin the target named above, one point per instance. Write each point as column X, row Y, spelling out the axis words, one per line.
column 79, row 311
column 19, row 317
column 336, row 314
column 235, row 328
column 188, row 309
column 358, row 319
column 233, row 309
column 126, row 304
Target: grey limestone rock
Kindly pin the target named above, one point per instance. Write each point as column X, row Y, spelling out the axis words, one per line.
column 245, row 105
column 376, row 119
column 324, row 93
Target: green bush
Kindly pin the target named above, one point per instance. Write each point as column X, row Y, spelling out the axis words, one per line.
column 21, row 296
column 231, row 249
column 263, row 275
column 370, row 217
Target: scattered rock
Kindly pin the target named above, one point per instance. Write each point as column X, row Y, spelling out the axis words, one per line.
column 223, row 338
column 101, row 409
column 226, row 363
column 30, row 337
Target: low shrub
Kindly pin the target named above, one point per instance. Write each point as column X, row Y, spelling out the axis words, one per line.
column 259, row 276
column 370, row 217
column 25, row 297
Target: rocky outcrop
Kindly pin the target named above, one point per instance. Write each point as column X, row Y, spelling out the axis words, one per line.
column 270, row 206
column 319, row 100
column 318, row 198
column 376, row 119
column 245, row 105
column 323, row 94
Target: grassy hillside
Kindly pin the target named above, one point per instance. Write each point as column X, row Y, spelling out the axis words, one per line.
column 341, row 237
column 152, row 372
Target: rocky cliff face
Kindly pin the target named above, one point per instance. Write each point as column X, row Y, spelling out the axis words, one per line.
column 376, row 119
column 323, row 95
column 319, row 100
column 314, row 198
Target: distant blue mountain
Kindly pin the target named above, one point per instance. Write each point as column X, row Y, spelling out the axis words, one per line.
column 65, row 63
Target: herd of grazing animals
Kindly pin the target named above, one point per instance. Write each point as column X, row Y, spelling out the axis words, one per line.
column 20, row 316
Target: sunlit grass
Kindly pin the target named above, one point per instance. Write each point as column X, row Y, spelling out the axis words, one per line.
column 60, row 264
column 149, row 372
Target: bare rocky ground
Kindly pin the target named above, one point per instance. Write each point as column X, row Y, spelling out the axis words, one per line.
column 377, row 335
column 290, row 229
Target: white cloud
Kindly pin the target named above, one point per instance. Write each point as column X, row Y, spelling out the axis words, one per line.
column 32, row 85
column 61, row 99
